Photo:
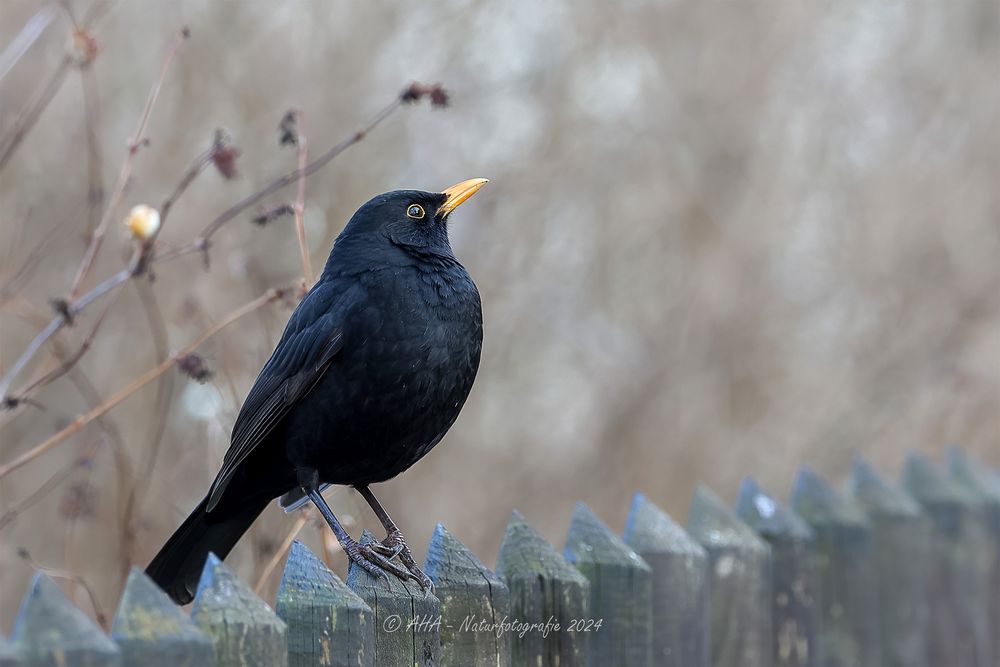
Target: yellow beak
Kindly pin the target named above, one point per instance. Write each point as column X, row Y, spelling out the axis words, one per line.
column 458, row 193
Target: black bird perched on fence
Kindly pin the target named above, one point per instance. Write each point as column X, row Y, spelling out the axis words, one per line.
column 370, row 373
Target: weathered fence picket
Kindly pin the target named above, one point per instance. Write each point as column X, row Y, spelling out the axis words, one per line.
column 7, row 656
column 901, row 542
column 473, row 602
column 985, row 484
column 621, row 602
column 51, row 630
column 407, row 620
column 795, row 617
column 327, row 623
column 889, row 575
column 961, row 565
column 544, row 589
column 244, row 630
column 152, row 631
column 848, row 634
column 739, row 582
column 680, row 585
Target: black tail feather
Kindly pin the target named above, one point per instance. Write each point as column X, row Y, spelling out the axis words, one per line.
column 177, row 568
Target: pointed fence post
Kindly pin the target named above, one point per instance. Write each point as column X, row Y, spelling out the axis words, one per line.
column 795, row 616
column 680, row 585
column 985, row 484
column 621, row 602
column 407, row 621
column 544, row 589
column 961, row 565
column 244, row 630
column 847, row 581
column 473, row 601
column 902, row 541
column 328, row 624
column 739, row 582
column 152, row 631
column 51, row 630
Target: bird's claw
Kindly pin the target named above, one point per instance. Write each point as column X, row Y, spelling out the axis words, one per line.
column 387, row 551
column 374, row 563
column 395, row 544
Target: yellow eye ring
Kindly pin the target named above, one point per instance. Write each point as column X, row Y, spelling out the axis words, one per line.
column 415, row 211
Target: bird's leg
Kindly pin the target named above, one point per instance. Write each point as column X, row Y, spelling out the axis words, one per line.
column 363, row 554
column 394, row 545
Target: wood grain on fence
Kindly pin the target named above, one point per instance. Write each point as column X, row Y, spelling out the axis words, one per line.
column 407, row 619
column 739, row 582
column 621, row 603
column 244, row 630
column 795, row 617
column 961, row 565
column 679, row 583
column 152, row 631
column 901, row 542
column 883, row 575
column 51, row 630
column 985, row 484
column 544, row 588
column 473, row 602
column 848, row 634
column 327, row 622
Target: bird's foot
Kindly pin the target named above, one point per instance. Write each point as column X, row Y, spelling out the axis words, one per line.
column 370, row 560
column 394, row 546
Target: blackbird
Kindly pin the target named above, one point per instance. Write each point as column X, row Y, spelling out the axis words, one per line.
column 371, row 371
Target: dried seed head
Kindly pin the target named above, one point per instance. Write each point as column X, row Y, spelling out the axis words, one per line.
column 143, row 222
column 82, row 47
column 288, row 131
column 266, row 215
column 417, row 91
column 224, row 159
column 195, row 366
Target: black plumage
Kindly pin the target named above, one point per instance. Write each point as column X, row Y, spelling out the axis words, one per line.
column 371, row 371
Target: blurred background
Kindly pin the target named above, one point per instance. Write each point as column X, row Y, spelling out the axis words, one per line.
column 720, row 239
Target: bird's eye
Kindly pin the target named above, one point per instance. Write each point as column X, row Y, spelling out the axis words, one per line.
column 416, row 211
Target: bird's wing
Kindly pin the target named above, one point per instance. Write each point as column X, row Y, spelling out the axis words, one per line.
column 305, row 351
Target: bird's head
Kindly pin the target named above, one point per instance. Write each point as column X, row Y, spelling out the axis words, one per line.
column 411, row 219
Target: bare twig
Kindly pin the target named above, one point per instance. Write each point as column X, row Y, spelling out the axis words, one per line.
column 300, row 207
column 155, row 426
column 286, row 544
column 27, row 36
column 48, row 485
column 137, row 141
column 142, row 260
column 220, row 142
column 95, row 161
column 330, row 545
column 136, row 264
column 21, row 276
column 77, row 579
column 137, row 383
column 31, row 113
column 66, row 364
column 200, row 243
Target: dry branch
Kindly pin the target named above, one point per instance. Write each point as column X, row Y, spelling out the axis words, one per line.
column 137, row 141
column 300, row 206
column 147, row 255
column 280, row 552
column 138, row 383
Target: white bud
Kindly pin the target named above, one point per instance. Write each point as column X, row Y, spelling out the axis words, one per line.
column 143, row 222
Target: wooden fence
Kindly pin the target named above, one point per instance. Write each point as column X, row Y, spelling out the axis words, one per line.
column 880, row 574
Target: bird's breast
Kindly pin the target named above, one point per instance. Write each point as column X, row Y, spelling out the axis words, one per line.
column 409, row 360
